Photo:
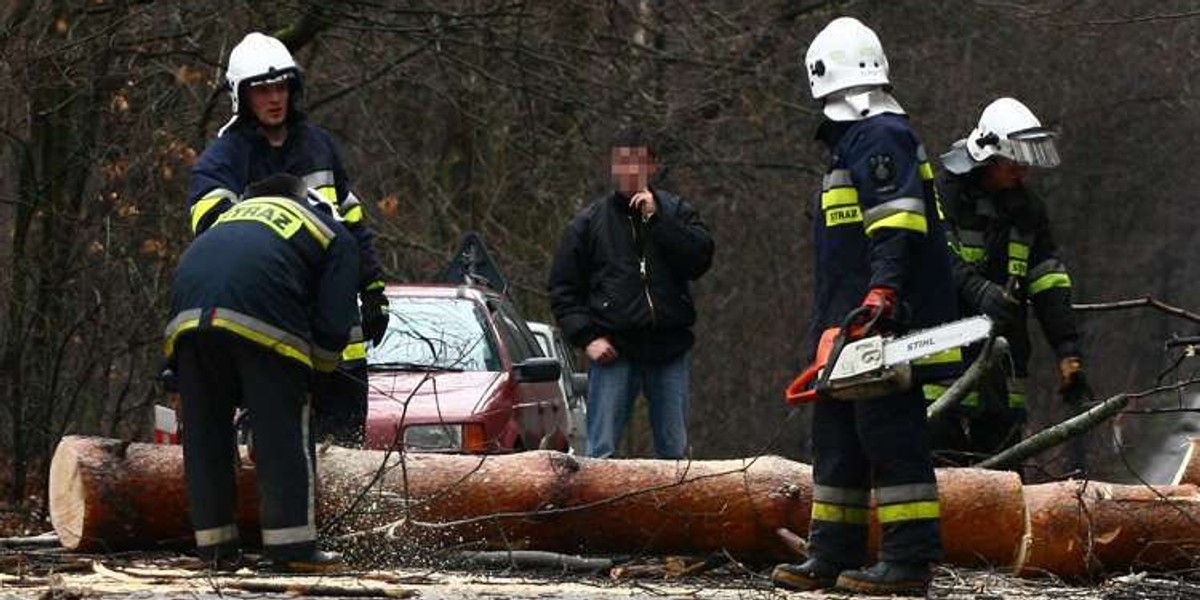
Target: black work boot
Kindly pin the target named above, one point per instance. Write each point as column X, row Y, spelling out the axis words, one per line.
column 812, row 574
column 318, row 561
column 224, row 557
column 886, row 578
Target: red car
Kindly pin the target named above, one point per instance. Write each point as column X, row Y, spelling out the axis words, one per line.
column 459, row 371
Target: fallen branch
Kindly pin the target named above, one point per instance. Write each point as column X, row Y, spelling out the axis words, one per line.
column 45, row 540
column 23, row 581
column 673, row 567
column 992, row 349
column 315, row 589
column 1073, row 427
column 533, row 559
column 1143, row 302
column 795, row 543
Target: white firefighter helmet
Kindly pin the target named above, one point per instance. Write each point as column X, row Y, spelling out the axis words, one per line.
column 1007, row 128
column 257, row 60
column 846, row 54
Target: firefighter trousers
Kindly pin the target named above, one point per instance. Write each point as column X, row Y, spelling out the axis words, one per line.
column 879, row 448
column 217, row 373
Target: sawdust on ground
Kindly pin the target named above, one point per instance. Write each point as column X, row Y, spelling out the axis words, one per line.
column 170, row 583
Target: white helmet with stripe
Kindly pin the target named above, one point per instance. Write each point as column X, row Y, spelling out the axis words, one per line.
column 257, row 60
column 848, row 70
column 846, row 54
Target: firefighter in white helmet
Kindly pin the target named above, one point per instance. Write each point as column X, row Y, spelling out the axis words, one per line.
column 267, row 135
column 1006, row 261
column 881, row 253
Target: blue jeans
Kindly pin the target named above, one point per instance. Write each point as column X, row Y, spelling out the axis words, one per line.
column 612, row 389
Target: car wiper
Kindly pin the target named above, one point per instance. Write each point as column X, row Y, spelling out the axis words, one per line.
column 411, row 366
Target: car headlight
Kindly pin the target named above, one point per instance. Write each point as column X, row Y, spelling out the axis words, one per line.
column 433, row 438
column 445, row 437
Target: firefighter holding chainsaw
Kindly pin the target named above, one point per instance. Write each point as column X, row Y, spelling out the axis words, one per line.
column 882, row 267
column 1006, row 261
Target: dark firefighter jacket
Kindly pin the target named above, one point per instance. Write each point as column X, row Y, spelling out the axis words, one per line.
column 618, row 276
column 877, row 223
column 275, row 271
column 243, row 156
column 1006, row 239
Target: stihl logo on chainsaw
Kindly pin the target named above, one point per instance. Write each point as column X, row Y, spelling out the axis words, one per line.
column 876, row 366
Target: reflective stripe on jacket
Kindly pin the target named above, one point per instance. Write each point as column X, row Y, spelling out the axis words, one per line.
column 274, row 271
column 1006, row 239
column 877, row 223
column 243, row 156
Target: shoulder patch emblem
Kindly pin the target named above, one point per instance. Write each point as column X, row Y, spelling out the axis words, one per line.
column 883, row 168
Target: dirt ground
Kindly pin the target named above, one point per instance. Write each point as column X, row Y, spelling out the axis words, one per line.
column 43, row 571
column 43, row 575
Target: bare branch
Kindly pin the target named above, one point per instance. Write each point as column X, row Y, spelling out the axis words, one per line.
column 1073, row 427
column 1143, row 302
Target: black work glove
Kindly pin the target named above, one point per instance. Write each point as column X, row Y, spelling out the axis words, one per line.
column 993, row 301
column 374, row 315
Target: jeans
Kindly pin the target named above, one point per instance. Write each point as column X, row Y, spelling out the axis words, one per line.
column 612, row 389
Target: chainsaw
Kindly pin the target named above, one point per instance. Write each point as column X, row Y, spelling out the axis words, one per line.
column 877, row 365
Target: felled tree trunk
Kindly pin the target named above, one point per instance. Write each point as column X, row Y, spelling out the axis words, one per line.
column 1084, row 528
column 107, row 494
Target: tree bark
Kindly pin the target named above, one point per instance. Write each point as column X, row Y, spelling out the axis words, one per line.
column 108, row 494
column 1083, row 528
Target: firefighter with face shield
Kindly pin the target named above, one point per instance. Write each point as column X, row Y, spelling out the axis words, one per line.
column 1006, row 262
column 268, row 134
column 880, row 253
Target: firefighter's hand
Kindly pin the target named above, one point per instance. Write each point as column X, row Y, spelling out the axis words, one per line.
column 993, row 301
column 881, row 305
column 374, row 316
column 643, row 201
column 601, row 351
column 1072, row 381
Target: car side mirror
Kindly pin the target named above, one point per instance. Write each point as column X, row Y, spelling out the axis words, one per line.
column 537, row 370
column 579, row 383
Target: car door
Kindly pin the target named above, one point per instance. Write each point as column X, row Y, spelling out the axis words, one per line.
column 576, row 394
column 542, row 409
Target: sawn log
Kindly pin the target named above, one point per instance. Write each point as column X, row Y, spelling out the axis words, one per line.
column 107, row 494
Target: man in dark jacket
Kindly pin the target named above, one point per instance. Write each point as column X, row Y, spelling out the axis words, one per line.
column 258, row 302
column 1006, row 260
column 881, row 253
column 619, row 289
column 266, row 135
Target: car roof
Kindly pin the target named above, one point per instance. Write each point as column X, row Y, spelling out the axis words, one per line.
column 442, row 290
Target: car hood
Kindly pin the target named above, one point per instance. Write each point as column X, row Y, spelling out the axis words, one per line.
column 437, row 396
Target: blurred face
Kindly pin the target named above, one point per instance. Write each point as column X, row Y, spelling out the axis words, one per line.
column 269, row 103
column 632, row 169
column 1003, row 174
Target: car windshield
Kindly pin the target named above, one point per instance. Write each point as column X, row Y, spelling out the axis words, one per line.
column 435, row 333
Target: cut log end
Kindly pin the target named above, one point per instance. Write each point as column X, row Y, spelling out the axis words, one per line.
column 68, row 498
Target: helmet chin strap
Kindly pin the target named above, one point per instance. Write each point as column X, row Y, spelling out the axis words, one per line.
column 227, row 125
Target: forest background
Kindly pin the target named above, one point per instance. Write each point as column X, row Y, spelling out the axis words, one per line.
column 495, row 116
